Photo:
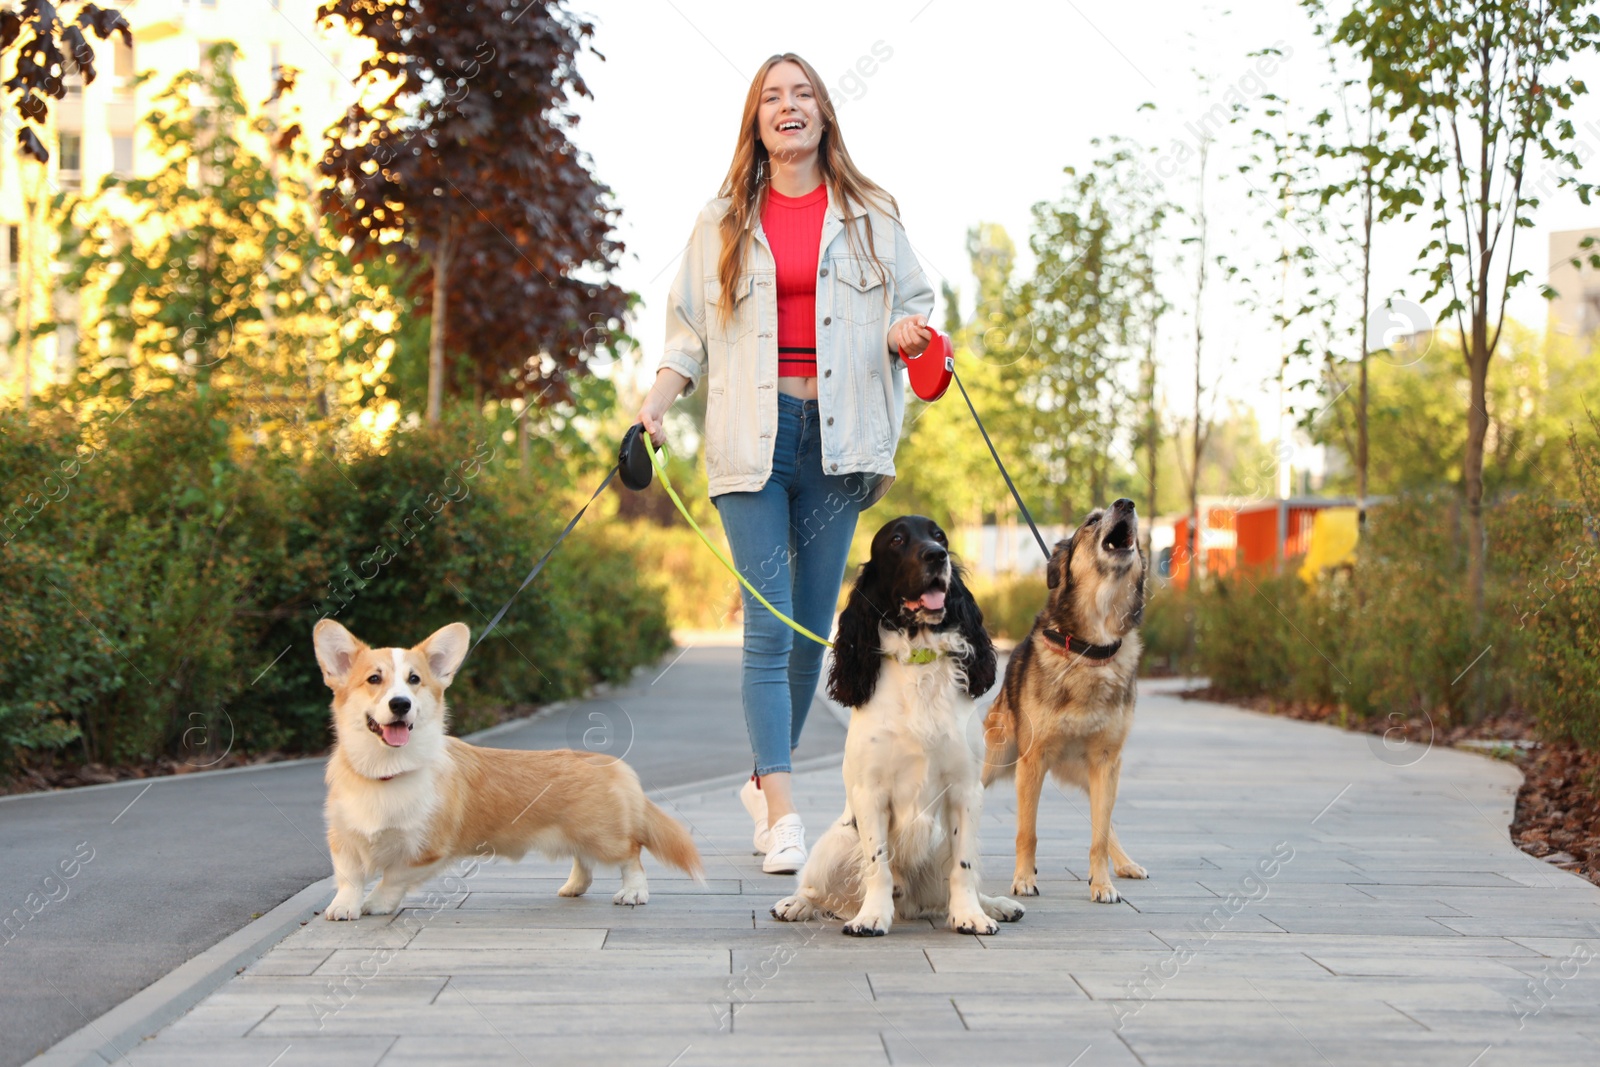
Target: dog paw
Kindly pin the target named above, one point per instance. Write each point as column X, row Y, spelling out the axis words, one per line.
column 1132, row 870
column 1024, row 886
column 342, row 911
column 378, row 907
column 972, row 924
column 631, row 896
column 1003, row 908
column 792, row 910
column 1104, row 893
column 867, row 926
column 574, row 890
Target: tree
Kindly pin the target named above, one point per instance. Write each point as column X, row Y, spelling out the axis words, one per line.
column 1472, row 81
column 54, row 49
column 464, row 171
column 182, row 272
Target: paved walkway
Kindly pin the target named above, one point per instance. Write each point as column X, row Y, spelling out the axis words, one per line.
column 1314, row 899
column 175, row 865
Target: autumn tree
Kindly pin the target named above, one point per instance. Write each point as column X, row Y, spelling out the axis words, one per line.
column 460, row 164
column 48, row 47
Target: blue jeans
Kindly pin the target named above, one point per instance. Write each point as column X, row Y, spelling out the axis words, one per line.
column 791, row 540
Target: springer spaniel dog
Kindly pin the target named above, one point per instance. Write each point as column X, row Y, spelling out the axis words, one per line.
column 910, row 655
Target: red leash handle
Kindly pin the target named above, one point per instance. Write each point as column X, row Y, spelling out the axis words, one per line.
column 932, row 371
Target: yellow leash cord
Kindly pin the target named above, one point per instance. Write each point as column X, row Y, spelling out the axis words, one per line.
column 666, row 483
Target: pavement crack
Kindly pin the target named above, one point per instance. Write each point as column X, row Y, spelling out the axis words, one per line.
column 1130, row 1049
column 1408, row 1015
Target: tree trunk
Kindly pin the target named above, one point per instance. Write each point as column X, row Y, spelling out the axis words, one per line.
column 441, row 279
column 25, row 305
column 525, row 441
column 1366, row 297
column 1199, row 338
column 1472, row 467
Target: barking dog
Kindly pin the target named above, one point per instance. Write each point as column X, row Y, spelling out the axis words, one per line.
column 405, row 799
column 911, row 646
column 1067, row 701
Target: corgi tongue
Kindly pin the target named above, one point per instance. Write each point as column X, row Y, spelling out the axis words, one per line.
column 933, row 600
column 395, row 734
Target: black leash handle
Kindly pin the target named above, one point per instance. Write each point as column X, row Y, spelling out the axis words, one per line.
column 537, row 567
column 1009, row 483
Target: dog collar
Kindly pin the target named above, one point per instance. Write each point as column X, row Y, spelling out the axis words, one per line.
column 918, row 656
column 1068, row 645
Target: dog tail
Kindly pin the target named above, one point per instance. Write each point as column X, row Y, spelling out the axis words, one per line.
column 670, row 843
column 1000, row 749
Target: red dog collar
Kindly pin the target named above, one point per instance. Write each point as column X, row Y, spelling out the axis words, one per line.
column 1068, row 645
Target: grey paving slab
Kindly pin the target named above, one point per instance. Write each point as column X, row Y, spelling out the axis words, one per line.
column 1309, row 903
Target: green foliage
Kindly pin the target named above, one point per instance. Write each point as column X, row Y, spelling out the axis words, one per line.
column 1044, row 359
column 1417, row 400
column 172, row 580
column 1393, row 633
column 1557, row 610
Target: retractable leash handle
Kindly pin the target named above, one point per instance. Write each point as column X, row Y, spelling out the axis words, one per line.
column 931, row 373
column 931, row 370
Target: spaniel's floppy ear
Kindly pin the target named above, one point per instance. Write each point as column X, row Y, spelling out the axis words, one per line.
column 963, row 611
column 856, row 655
column 337, row 649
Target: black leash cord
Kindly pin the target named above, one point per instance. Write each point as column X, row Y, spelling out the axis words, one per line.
column 1009, row 484
column 537, row 567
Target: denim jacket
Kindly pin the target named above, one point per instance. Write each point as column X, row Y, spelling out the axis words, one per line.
column 860, row 381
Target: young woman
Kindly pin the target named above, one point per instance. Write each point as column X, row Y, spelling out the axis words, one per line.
column 795, row 291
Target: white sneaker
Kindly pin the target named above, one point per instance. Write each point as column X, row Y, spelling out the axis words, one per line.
column 787, row 851
column 755, row 802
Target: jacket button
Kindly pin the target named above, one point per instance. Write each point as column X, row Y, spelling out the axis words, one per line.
column 828, row 373
column 830, row 420
column 824, row 272
column 863, row 281
column 834, row 467
column 827, row 321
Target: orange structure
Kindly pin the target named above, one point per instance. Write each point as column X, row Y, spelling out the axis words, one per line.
column 1260, row 534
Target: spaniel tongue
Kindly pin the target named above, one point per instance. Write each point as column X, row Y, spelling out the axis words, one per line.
column 932, row 600
column 395, row 734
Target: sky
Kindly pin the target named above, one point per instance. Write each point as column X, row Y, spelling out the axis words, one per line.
column 967, row 113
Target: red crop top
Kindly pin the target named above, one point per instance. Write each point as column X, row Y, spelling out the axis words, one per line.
column 793, row 225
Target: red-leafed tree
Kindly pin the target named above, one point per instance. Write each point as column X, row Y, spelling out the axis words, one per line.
column 54, row 47
column 464, row 170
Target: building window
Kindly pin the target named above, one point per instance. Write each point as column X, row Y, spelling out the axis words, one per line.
column 122, row 155
column 13, row 250
column 122, row 61
column 71, row 151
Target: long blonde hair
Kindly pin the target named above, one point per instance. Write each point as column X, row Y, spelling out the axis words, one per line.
column 751, row 171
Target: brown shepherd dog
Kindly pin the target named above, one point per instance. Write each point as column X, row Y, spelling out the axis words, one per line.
column 1067, row 701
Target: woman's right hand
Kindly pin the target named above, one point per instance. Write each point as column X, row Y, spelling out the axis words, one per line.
column 668, row 387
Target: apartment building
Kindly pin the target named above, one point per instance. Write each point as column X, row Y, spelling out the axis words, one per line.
column 95, row 131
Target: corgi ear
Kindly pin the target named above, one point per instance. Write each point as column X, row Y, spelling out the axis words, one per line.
column 445, row 650
column 337, row 649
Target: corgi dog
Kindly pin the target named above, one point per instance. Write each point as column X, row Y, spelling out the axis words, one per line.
column 405, row 799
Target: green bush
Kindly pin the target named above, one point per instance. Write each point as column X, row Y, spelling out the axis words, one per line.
column 1555, row 610
column 164, row 570
column 1393, row 633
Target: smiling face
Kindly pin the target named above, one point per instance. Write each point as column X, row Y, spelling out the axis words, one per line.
column 789, row 118
column 915, row 555
column 387, row 692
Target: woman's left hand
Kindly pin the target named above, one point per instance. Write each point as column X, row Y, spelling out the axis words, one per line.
column 911, row 335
